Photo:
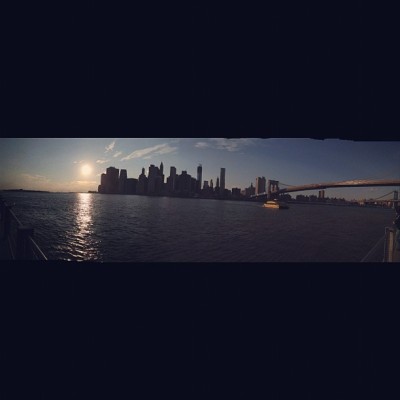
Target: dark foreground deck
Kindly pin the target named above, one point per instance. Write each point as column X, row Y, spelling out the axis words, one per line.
column 16, row 240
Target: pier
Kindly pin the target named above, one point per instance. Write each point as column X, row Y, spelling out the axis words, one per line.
column 16, row 239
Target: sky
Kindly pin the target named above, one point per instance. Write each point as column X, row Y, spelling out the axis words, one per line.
column 75, row 165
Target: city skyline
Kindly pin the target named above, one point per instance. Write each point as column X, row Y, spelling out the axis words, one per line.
column 76, row 164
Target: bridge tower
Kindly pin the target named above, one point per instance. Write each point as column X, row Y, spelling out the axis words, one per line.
column 273, row 186
column 395, row 197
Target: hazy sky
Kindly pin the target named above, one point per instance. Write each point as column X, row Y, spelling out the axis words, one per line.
column 57, row 164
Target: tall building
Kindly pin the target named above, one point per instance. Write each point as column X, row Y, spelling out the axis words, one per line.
column 184, row 183
column 151, row 185
column 103, row 182
column 172, row 181
column 160, row 180
column 236, row 192
column 199, row 177
column 193, row 185
column 111, row 180
column 162, row 168
column 122, row 181
column 142, row 183
column 222, row 182
column 131, row 186
column 260, row 185
column 250, row 191
column 211, row 184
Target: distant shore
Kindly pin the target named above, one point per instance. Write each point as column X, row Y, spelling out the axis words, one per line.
column 25, row 190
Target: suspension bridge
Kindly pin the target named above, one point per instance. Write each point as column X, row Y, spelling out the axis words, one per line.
column 273, row 190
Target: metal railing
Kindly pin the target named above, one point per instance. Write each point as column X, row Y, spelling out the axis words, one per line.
column 18, row 237
column 390, row 247
column 375, row 254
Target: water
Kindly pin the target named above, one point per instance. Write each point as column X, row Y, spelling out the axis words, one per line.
column 84, row 226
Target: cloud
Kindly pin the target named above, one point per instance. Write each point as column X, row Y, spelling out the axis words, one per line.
column 202, row 145
column 231, row 144
column 102, row 161
column 118, row 153
column 165, row 150
column 148, row 152
column 110, row 147
column 78, row 162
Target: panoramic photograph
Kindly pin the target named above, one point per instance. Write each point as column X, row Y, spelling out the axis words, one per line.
column 199, row 200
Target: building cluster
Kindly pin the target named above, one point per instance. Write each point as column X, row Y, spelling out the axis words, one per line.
column 116, row 181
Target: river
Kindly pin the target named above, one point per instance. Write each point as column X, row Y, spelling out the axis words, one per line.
column 113, row 228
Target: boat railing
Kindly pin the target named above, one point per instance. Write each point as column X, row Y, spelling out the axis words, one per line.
column 18, row 237
column 386, row 249
column 375, row 254
column 391, row 245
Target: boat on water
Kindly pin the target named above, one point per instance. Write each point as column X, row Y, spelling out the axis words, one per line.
column 276, row 204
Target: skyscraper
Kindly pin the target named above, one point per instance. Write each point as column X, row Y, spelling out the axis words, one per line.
column 161, row 174
column 222, row 182
column 151, row 186
column 184, row 182
column 260, row 185
column 199, row 177
column 250, row 191
column 103, row 183
column 123, row 176
column 112, row 180
column 172, row 180
column 142, row 183
column 130, row 186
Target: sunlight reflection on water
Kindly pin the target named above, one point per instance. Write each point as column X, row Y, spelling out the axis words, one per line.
column 85, row 226
column 84, row 212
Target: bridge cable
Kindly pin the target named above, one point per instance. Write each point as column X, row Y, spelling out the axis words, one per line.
column 377, row 198
column 285, row 184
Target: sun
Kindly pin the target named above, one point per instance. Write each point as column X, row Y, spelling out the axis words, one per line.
column 86, row 170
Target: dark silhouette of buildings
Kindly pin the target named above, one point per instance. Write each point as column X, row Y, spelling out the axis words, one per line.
column 109, row 181
column 250, row 191
column 184, row 183
column 222, row 182
column 116, row 181
column 236, row 193
column 123, row 176
column 142, row 183
column 155, row 180
column 131, row 186
column 199, row 178
column 260, row 185
column 171, row 184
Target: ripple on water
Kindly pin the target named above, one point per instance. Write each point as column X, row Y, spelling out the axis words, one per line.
column 141, row 229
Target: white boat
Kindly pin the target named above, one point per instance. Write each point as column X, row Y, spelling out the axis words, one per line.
column 275, row 204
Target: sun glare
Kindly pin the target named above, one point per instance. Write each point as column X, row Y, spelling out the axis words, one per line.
column 86, row 169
